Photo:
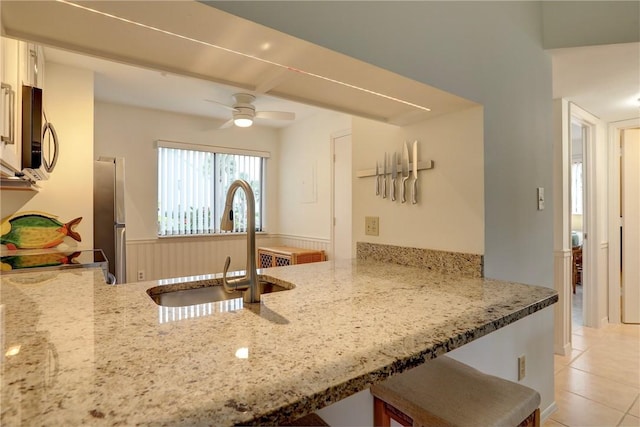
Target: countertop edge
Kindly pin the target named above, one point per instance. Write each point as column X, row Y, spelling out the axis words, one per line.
column 317, row 401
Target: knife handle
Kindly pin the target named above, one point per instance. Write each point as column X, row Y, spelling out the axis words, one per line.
column 403, row 193
column 414, row 194
column 384, row 186
column 377, row 185
column 393, row 189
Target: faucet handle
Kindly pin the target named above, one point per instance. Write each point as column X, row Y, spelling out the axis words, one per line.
column 225, row 283
column 226, row 266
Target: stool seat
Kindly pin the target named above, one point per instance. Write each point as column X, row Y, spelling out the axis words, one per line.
column 444, row 391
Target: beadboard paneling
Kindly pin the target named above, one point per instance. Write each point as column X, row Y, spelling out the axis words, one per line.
column 305, row 243
column 178, row 257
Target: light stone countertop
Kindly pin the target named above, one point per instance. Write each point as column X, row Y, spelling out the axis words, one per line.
column 94, row 354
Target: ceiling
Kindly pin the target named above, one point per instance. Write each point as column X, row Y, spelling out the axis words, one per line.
column 604, row 80
column 204, row 53
column 131, row 85
column 209, row 45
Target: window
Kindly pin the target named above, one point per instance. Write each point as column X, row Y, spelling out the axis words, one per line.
column 192, row 186
column 576, row 188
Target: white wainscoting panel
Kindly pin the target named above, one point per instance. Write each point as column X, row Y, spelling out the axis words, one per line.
column 178, row 257
column 305, row 243
column 563, row 269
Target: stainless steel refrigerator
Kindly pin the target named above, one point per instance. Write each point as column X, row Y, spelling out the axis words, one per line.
column 108, row 214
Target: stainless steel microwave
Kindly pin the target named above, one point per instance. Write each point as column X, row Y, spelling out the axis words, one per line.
column 39, row 142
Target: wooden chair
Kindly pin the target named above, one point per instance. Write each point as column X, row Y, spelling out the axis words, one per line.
column 576, row 256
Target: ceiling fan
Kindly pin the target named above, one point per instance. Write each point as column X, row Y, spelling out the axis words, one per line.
column 244, row 112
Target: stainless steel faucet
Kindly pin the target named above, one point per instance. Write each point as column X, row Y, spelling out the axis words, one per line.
column 249, row 282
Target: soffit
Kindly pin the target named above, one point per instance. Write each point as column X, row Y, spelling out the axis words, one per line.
column 200, row 41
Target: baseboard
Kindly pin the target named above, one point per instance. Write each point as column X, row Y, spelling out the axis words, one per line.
column 603, row 322
column 564, row 350
column 547, row 412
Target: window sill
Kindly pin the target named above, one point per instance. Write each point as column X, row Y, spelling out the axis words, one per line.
column 212, row 236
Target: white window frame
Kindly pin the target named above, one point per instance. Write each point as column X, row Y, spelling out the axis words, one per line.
column 217, row 195
column 577, row 188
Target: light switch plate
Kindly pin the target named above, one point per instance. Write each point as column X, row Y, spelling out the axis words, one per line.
column 371, row 225
column 540, row 198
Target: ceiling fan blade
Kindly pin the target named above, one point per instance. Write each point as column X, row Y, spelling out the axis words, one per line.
column 275, row 115
column 228, row 107
column 226, row 124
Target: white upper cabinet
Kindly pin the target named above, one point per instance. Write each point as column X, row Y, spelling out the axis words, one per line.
column 11, row 107
column 21, row 63
column 32, row 64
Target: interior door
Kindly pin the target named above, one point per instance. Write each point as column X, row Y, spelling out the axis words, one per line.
column 630, row 201
column 342, row 175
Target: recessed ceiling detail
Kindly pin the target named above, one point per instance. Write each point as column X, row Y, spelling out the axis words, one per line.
column 192, row 39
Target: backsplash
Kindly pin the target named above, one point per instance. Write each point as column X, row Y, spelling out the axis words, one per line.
column 470, row 265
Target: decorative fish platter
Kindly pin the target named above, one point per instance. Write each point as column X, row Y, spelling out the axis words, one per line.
column 14, row 262
column 36, row 230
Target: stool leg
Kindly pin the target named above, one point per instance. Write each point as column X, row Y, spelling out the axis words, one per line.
column 536, row 418
column 380, row 416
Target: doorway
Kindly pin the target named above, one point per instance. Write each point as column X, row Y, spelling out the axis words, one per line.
column 578, row 134
column 341, row 234
column 588, row 132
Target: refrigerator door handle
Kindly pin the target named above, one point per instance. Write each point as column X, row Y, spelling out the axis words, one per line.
column 121, row 254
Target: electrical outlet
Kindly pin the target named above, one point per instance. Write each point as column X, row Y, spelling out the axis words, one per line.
column 140, row 275
column 522, row 369
column 371, row 225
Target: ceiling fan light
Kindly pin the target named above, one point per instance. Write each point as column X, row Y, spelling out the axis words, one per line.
column 242, row 120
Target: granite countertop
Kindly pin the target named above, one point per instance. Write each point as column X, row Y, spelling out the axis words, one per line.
column 78, row 352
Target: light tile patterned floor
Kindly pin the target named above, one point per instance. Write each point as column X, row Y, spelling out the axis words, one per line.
column 598, row 383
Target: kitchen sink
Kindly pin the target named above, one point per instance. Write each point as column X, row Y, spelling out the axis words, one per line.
column 178, row 296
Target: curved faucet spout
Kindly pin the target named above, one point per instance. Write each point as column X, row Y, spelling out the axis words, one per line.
column 249, row 282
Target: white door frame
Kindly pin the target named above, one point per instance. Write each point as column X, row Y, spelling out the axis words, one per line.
column 561, row 225
column 590, row 246
column 594, row 262
column 334, row 136
column 615, row 132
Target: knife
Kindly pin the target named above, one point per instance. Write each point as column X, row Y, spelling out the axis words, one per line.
column 377, row 180
column 384, row 177
column 394, row 174
column 414, row 199
column 405, row 170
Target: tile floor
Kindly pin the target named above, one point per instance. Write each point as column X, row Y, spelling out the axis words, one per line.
column 598, row 384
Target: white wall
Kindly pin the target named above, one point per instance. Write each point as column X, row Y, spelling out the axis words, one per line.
column 68, row 103
column 449, row 214
column 489, row 52
column 495, row 354
column 305, row 175
column 131, row 132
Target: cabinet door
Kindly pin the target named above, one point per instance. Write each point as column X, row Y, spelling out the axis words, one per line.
column 282, row 260
column 32, row 64
column 266, row 259
column 11, row 101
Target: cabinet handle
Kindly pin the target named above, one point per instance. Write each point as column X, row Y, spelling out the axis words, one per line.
column 7, row 90
column 33, row 54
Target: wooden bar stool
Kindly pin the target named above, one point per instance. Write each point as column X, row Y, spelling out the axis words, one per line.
column 445, row 392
